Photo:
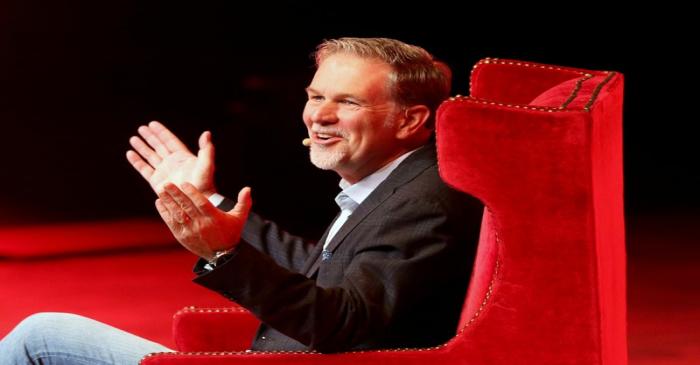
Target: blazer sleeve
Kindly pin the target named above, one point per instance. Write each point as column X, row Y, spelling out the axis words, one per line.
column 287, row 250
column 408, row 259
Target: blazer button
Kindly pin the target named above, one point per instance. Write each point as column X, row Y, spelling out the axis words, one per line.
column 263, row 338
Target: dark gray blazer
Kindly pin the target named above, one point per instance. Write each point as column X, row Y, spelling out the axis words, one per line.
column 396, row 277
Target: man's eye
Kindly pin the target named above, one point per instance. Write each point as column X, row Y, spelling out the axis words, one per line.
column 349, row 102
column 316, row 97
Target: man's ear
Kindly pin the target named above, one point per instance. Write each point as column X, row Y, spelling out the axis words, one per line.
column 413, row 122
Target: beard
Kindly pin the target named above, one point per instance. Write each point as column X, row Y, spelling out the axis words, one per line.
column 328, row 158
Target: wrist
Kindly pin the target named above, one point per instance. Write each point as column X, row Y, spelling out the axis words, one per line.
column 208, row 191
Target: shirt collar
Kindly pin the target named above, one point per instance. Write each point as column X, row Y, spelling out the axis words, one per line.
column 360, row 190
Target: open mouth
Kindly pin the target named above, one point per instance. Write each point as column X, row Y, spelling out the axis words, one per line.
column 325, row 138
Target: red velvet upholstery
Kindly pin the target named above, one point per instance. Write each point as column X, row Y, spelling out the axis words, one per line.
column 214, row 329
column 541, row 146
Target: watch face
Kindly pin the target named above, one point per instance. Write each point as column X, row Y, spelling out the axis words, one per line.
column 221, row 256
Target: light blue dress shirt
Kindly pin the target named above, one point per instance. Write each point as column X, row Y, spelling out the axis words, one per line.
column 353, row 195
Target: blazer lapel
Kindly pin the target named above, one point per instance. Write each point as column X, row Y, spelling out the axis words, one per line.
column 415, row 164
column 314, row 255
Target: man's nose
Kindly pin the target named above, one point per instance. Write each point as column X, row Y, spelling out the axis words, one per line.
column 325, row 113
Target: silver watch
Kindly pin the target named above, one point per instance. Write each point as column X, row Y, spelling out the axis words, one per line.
column 218, row 255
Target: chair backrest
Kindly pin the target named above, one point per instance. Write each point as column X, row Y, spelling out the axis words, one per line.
column 541, row 146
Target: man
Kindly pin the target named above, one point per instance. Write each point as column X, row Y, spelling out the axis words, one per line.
column 391, row 270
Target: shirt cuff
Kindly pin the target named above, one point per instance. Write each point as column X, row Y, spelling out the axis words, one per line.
column 216, row 199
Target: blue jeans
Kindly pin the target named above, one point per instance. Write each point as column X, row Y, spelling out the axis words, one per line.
column 63, row 339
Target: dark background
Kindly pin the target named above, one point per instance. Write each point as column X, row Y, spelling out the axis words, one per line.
column 76, row 80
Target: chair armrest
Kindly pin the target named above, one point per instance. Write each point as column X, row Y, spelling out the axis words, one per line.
column 214, row 329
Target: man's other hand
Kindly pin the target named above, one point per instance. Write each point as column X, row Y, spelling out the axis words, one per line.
column 197, row 224
column 160, row 157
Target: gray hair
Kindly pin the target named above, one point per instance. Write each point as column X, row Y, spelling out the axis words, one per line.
column 418, row 78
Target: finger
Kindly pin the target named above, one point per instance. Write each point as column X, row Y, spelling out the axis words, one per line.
column 182, row 200
column 154, row 141
column 176, row 212
column 244, row 203
column 205, row 139
column 206, row 148
column 203, row 204
column 139, row 164
column 165, row 213
column 166, row 136
column 205, row 155
column 144, row 150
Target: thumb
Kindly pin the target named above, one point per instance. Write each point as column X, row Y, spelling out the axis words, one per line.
column 206, row 148
column 244, row 203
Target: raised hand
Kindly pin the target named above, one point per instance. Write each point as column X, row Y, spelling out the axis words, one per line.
column 160, row 157
column 197, row 224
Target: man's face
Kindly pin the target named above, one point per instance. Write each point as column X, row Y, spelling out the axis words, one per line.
column 351, row 116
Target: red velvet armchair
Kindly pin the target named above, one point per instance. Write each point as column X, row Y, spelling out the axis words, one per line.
column 541, row 146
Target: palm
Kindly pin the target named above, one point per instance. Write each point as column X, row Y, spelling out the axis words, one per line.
column 180, row 167
column 197, row 224
column 163, row 158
